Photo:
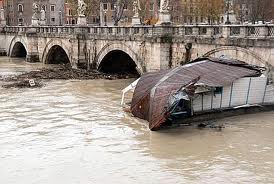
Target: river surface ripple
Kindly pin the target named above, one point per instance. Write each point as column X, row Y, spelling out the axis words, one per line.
column 75, row 132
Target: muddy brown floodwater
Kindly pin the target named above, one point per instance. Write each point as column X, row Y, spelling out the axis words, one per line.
column 75, row 132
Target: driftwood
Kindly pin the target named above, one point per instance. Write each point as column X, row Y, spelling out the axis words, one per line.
column 26, row 80
column 24, row 84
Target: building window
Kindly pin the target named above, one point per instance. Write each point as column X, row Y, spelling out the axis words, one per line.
column 20, row 21
column 112, row 6
column 125, row 7
column 20, row 8
column 191, row 10
column 218, row 90
column 105, row 6
column 52, row 19
column 10, row 7
column 190, row 20
column 52, row 7
column 151, row 7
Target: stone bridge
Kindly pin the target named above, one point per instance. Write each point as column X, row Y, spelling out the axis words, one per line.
column 138, row 48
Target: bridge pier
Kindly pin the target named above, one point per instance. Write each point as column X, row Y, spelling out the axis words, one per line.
column 32, row 58
column 32, row 45
column 82, row 52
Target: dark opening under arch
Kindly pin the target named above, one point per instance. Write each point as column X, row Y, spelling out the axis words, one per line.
column 119, row 62
column 57, row 55
column 18, row 50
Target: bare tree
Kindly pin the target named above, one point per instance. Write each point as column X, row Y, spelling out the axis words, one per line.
column 119, row 8
column 143, row 11
column 255, row 10
column 211, row 9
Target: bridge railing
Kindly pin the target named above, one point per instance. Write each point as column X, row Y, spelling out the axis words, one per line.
column 225, row 31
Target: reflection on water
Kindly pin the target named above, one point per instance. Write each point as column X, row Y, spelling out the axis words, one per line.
column 75, row 132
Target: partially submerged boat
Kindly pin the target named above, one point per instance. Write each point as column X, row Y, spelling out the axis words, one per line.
column 202, row 86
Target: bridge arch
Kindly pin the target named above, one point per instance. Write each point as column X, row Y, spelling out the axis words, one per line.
column 118, row 57
column 239, row 53
column 18, row 47
column 56, row 52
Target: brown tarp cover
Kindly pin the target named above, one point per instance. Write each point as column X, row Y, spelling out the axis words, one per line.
column 150, row 98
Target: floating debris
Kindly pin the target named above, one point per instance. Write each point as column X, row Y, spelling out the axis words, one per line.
column 24, row 84
column 210, row 125
column 34, row 78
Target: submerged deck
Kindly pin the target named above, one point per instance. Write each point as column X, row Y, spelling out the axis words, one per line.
column 220, row 114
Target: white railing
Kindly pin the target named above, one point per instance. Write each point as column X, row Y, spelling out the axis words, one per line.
column 251, row 31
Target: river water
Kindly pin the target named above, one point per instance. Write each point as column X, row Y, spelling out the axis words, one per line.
column 75, row 132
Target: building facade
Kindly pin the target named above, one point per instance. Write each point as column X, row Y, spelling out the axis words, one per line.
column 202, row 11
column 108, row 13
column 103, row 12
column 182, row 12
column 92, row 12
column 254, row 11
column 19, row 12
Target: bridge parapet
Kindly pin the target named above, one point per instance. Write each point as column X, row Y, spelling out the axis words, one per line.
column 222, row 31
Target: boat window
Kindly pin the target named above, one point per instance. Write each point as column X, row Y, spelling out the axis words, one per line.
column 218, row 90
column 270, row 81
